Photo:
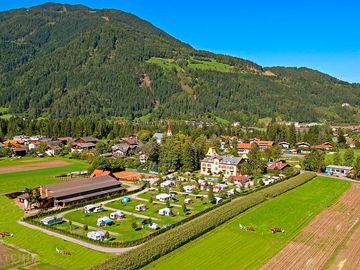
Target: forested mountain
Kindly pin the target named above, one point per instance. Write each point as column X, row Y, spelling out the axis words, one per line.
column 68, row 60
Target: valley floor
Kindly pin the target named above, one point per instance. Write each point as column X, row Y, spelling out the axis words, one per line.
column 232, row 248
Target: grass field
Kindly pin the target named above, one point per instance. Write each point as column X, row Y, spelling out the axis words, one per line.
column 228, row 247
column 329, row 158
column 165, row 63
column 25, row 160
column 20, row 180
column 44, row 245
column 210, row 64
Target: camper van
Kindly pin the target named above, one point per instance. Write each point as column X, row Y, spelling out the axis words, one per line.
column 49, row 221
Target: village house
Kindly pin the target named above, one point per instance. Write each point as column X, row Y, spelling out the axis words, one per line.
column 351, row 144
column 284, row 145
column 52, row 150
column 327, row 146
column 34, row 145
column 302, row 145
column 214, row 164
column 86, row 140
column 338, row 170
column 80, row 147
column 278, row 166
column 262, row 144
column 244, row 148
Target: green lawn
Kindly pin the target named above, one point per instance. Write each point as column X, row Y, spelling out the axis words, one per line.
column 25, row 160
column 122, row 227
column 20, row 180
column 165, row 63
column 329, row 158
column 210, row 64
column 228, row 247
column 44, row 245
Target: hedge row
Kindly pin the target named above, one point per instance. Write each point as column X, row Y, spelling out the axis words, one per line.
column 173, row 239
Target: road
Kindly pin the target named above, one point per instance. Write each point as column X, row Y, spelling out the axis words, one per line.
column 338, row 177
column 77, row 241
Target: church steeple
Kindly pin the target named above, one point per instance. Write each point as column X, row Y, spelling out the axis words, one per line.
column 169, row 129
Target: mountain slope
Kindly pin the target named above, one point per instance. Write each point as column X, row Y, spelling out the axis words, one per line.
column 66, row 61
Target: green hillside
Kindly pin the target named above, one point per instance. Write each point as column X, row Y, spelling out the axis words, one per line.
column 68, row 60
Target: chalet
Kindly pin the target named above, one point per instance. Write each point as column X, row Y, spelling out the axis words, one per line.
column 284, row 145
column 34, row 145
column 338, row 170
column 324, row 146
column 19, row 152
column 80, row 147
column 302, row 145
column 351, row 144
column 52, row 150
column 244, row 148
column 240, row 179
column 228, row 165
column 120, row 150
column 262, row 144
column 72, row 192
column 132, row 141
column 278, row 166
column 65, row 140
column 86, row 140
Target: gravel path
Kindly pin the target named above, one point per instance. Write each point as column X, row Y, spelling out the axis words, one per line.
column 77, row 241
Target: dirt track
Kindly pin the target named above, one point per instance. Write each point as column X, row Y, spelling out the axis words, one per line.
column 33, row 166
column 312, row 248
column 349, row 256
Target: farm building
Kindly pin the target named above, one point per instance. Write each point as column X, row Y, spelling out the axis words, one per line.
column 278, row 166
column 67, row 193
column 338, row 170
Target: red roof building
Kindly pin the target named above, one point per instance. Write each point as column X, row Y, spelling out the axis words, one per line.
column 97, row 173
column 278, row 166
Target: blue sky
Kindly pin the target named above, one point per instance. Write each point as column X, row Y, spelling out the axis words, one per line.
column 319, row 34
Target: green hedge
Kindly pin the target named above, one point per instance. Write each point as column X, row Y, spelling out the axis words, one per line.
column 180, row 235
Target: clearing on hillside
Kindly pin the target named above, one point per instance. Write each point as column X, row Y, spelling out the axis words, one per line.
column 33, row 166
column 312, row 248
column 232, row 248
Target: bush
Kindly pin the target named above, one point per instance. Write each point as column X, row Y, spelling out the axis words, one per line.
column 180, row 235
